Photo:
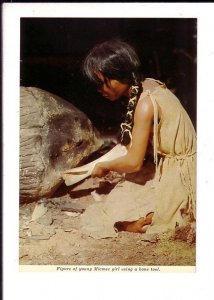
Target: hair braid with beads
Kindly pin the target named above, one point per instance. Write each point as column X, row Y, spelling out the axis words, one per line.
column 127, row 124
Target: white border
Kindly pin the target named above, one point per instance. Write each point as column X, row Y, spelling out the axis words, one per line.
column 22, row 285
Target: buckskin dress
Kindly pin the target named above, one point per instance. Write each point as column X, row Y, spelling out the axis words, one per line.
column 171, row 194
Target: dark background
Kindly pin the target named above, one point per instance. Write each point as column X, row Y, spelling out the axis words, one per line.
column 52, row 51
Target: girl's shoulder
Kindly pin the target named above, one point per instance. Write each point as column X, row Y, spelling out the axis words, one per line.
column 150, row 84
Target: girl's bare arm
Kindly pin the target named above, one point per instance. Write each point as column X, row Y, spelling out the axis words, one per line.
column 133, row 160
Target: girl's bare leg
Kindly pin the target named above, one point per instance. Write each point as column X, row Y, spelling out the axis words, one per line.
column 138, row 226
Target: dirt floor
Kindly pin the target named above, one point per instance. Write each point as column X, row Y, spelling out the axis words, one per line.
column 49, row 235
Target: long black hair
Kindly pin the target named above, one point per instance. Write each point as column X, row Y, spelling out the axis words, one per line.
column 116, row 59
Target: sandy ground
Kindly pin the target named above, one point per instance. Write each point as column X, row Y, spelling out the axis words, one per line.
column 54, row 237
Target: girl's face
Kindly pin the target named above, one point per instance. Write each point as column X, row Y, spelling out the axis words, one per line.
column 112, row 89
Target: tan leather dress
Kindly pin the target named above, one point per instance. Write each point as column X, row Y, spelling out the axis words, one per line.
column 171, row 194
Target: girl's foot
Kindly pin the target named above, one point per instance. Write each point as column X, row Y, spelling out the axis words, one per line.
column 139, row 226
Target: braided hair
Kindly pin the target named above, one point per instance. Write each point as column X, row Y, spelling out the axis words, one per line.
column 116, row 59
column 127, row 124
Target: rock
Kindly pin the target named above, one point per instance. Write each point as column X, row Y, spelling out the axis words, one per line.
column 39, row 210
column 68, row 223
column 54, row 136
column 37, row 230
column 96, row 196
column 70, row 206
column 151, row 238
column 24, row 234
column 72, row 214
column 46, row 220
column 51, row 231
column 68, row 229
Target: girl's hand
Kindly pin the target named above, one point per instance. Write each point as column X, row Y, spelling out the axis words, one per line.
column 99, row 170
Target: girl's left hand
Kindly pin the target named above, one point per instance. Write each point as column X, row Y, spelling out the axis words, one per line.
column 99, row 170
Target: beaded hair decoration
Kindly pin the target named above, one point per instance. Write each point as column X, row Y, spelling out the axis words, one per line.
column 127, row 125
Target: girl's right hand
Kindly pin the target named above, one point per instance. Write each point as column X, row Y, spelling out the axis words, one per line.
column 100, row 170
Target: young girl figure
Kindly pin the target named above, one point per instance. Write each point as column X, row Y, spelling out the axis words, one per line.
column 154, row 116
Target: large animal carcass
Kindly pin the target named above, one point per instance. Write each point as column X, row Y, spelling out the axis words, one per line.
column 54, row 137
